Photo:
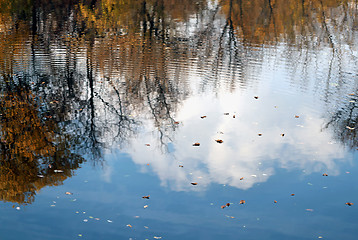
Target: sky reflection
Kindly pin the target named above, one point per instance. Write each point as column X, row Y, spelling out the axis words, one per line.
column 253, row 146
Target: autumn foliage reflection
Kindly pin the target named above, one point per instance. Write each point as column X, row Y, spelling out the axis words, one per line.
column 31, row 154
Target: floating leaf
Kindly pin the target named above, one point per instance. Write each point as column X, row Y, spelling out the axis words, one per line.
column 325, row 174
column 223, row 206
column 147, row 144
column 256, row 97
column 242, row 201
column 275, row 201
column 219, row 141
column 176, row 122
column 228, row 204
column 349, row 203
column 69, row 193
column 128, row 225
column 146, row 197
column 241, row 178
column 234, row 116
column 260, row 134
column 292, row 194
column 194, row 183
column 296, row 116
column 203, row 117
column 196, row 144
column 282, row 134
column 181, row 166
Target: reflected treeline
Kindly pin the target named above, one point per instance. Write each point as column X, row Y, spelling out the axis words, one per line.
column 80, row 76
column 32, row 154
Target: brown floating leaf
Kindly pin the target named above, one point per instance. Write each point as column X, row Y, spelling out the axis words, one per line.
column 128, row 225
column 325, row 174
column 194, row 183
column 147, row 144
column 196, row 144
column 146, row 197
column 241, row 178
column 233, row 116
column 296, row 116
column 219, row 141
column 181, row 166
column 275, row 201
column 292, row 194
column 68, row 193
column 282, row 134
column 242, row 201
column 203, row 117
column 260, row 134
column 349, row 203
column 223, row 206
column 228, row 204
column 176, row 122
column 256, row 97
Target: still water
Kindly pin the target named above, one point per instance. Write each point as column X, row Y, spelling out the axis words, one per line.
column 175, row 119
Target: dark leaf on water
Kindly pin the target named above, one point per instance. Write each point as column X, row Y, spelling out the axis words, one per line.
column 325, row 174
column 146, row 197
column 241, row 178
column 275, row 201
column 196, row 144
column 219, row 141
column 292, row 194
column 349, row 203
column 296, row 116
column 282, row 134
column 223, row 206
column 228, row 204
column 181, row 166
column 194, row 183
column 256, row 97
column 242, row 201
column 203, row 117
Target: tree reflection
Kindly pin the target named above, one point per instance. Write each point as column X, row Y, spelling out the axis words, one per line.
column 81, row 76
column 31, row 152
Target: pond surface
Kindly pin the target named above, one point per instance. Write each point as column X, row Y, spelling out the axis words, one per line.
column 178, row 119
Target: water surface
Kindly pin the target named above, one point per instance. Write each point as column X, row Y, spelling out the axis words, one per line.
column 102, row 103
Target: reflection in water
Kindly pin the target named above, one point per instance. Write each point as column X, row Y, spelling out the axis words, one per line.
column 32, row 155
column 78, row 78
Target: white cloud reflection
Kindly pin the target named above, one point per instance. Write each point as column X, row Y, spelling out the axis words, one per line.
column 243, row 153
